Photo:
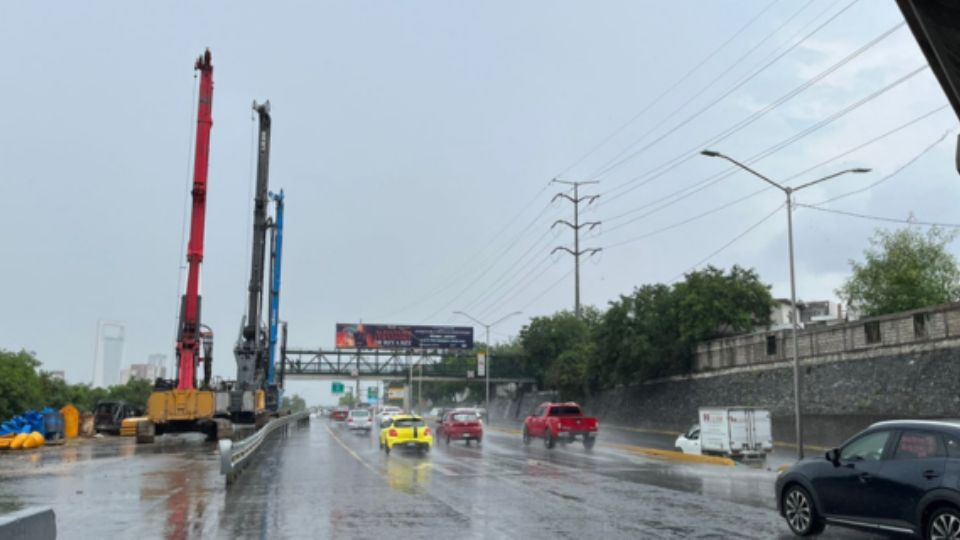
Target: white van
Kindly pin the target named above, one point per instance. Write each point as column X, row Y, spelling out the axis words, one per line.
column 729, row 431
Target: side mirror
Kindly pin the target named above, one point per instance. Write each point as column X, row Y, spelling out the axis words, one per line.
column 833, row 456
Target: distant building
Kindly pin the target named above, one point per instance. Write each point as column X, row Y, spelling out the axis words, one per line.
column 146, row 372
column 160, row 361
column 108, row 356
column 57, row 375
column 812, row 313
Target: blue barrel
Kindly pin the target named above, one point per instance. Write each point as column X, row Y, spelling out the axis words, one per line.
column 53, row 425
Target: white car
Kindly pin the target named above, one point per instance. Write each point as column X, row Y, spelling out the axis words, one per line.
column 360, row 419
column 689, row 442
column 387, row 413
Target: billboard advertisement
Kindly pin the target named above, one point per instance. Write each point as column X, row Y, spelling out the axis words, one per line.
column 384, row 336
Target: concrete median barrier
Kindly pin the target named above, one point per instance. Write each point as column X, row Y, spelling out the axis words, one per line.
column 37, row 523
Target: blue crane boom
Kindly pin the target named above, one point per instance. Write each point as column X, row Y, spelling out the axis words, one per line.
column 276, row 253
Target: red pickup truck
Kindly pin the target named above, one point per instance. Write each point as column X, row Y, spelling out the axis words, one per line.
column 560, row 422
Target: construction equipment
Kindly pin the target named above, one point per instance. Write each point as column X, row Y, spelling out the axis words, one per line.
column 248, row 395
column 275, row 387
column 180, row 405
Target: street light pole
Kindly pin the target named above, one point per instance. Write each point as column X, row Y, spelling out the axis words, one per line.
column 486, row 370
column 789, row 191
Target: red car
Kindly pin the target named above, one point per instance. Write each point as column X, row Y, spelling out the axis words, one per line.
column 560, row 422
column 339, row 414
column 460, row 425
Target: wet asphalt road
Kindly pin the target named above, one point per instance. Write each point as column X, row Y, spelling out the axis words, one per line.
column 323, row 481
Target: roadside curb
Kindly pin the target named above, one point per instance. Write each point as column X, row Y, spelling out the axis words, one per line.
column 649, row 452
column 36, row 523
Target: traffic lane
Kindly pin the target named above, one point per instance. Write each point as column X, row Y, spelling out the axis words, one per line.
column 740, row 484
column 116, row 488
column 577, row 492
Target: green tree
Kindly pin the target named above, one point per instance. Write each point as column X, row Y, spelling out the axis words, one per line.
column 711, row 303
column 294, row 403
column 638, row 338
column 135, row 391
column 20, row 387
column 903, row 270
column 654, row 332
column 568, row 373
column 347, row 400
column 544, row 339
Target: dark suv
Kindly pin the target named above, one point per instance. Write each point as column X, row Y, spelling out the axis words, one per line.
column 900, row 476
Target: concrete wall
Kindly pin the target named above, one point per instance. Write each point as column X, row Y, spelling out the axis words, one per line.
column 841, row 394
column 846, row 341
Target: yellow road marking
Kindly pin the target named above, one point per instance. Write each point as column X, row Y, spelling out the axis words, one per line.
column 650, row 452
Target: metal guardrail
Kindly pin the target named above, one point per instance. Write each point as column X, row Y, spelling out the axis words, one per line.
column 234, row 455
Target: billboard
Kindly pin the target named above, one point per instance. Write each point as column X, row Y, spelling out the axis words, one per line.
column 384, row 336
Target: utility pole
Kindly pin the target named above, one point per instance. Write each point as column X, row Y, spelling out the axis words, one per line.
column 576, row 226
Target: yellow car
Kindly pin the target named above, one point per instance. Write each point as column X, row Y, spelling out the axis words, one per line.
column 406, row 431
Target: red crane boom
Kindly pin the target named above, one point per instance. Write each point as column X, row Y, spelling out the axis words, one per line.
column 188, row 344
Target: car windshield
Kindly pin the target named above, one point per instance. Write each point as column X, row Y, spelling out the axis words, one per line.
column 359, row 413
column 565, row 410
column 464, row 417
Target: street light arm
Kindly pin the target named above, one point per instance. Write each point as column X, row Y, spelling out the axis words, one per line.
column 828, row 177
column 505, row 317
column 564, row 222
column 711, row 153
column 469, row 317
column 563, row 196
column 563, row 248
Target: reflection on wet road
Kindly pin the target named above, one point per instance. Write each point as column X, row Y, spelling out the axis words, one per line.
column 323, row 481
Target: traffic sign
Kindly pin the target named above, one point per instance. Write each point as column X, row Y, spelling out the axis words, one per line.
column 372, row 393
column 481, row 364
column 336, row 387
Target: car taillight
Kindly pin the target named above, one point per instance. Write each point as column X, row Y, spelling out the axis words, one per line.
column 392, row 433
column 426, row 432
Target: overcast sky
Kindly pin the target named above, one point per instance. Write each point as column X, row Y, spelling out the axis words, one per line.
column 415, row 142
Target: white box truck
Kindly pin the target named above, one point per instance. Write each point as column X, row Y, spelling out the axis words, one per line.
column 729, row 431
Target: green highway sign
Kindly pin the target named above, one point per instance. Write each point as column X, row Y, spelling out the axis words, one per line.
column 371, row 393
column 336, row 388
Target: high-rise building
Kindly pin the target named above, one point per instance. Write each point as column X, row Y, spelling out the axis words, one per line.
column 57, row 375
column 160, row 361
column 108, row 356
column 146, row 372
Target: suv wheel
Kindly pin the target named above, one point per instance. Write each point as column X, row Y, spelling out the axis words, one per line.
column 801, row 516
column 944, row 524
column 548, row 441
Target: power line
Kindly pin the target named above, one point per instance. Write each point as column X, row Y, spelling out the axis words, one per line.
column 679, row 159
column 488, row 268
column 545, row 291
column 881, row 218
column 711, row 84
column 666, row 92
column 730, row 243
column 911, row 161
column 786, row 180
column 700, row 186
column 723, row 96
column 519, row 266
column 530, row 277
column 458, row 274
